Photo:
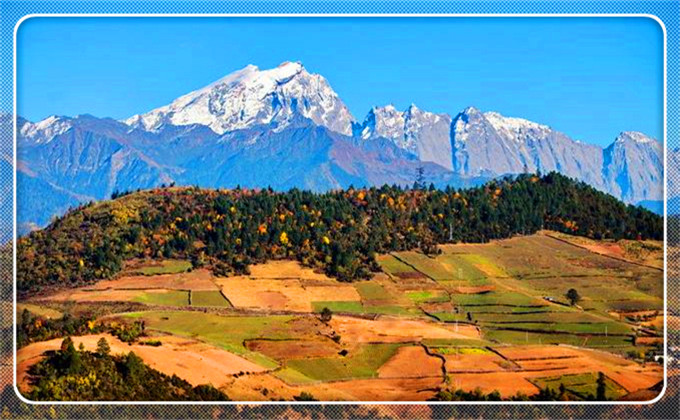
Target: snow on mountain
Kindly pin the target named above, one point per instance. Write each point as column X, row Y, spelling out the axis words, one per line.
column 250, row 97
column 424, row 134
column 46, row 130
column 634, row 136
column 489, row 144
column 385, row 122
column 633, row 167
column 517, row 129
column 295, row 131
column 479, row 150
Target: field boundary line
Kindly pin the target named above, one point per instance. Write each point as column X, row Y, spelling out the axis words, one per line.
column 438, row 356
column 601, row 254
column 537, row 331
column 492, row 350
column 413, row 267
column 531, row 359
column 226, row 298
column 618, row 384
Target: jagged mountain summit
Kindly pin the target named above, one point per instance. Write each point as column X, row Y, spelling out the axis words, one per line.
column 633, row 167
column 424, row 134
column 43, row 131
column 286, row 127
column 491, row 144
column 251, row 97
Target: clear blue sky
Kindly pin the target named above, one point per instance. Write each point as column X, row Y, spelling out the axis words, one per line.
column 588, row 77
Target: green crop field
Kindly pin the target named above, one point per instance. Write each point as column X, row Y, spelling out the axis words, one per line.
column 422, row 296
column 451, row 316
column 505, row 294
column 509, row 310
column 426, row 265
column 547, row 316
column 454, row 342
column 450, row 350
column 358, row 308
column 208, row 298
column 497, row 298
column 362, row 363
column 350, row 306
column 293, row 377
column 463, row 270
column 392, row 310
column 583, row 385
column 393, row 266
column 165, row 267
column 540, row 256
column 169, row 298
column 39, row 310
column 522, row 337
column 613, row 328
column 228, row 332
column 655, row 304
column 372, row 291
column 485, row 265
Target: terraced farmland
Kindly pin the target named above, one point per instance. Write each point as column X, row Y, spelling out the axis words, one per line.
column 490, row 316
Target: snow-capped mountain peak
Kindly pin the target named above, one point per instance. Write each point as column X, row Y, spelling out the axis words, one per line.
column 385, row 122
column 424, row 134
column 390, row 123
column 250, row 97
column 516, row 129
column 471, row 110
column 635, row 136
column 46, row 130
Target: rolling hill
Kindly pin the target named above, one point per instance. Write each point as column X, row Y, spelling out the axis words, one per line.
column 338, row 232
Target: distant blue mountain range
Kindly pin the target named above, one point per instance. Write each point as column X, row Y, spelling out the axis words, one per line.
column 287, row 128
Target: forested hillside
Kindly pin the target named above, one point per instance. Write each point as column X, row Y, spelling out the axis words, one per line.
column 338, row 232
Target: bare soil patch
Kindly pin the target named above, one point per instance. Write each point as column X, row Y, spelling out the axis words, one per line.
column 472, row 290
column 649, row 340
column 254, row 388
column 411, row 389
column 507, row 383
column 108, row 295
column 288, row 294
column 647, row 252
column 411, row 275
column 287, row 350
column 434, row 307
column 518, row 353
column 286, row 269
column 395, row 330
column 411, row 362
column 553, row 364
column 265, row 387
column 272, row 299
column 626, row 373
column 467, row 363
column 199, row 279
column 194, row 361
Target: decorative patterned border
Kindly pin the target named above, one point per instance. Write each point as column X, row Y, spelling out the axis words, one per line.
column 12, row 12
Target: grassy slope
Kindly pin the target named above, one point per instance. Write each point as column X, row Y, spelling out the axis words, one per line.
column 362, row 363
